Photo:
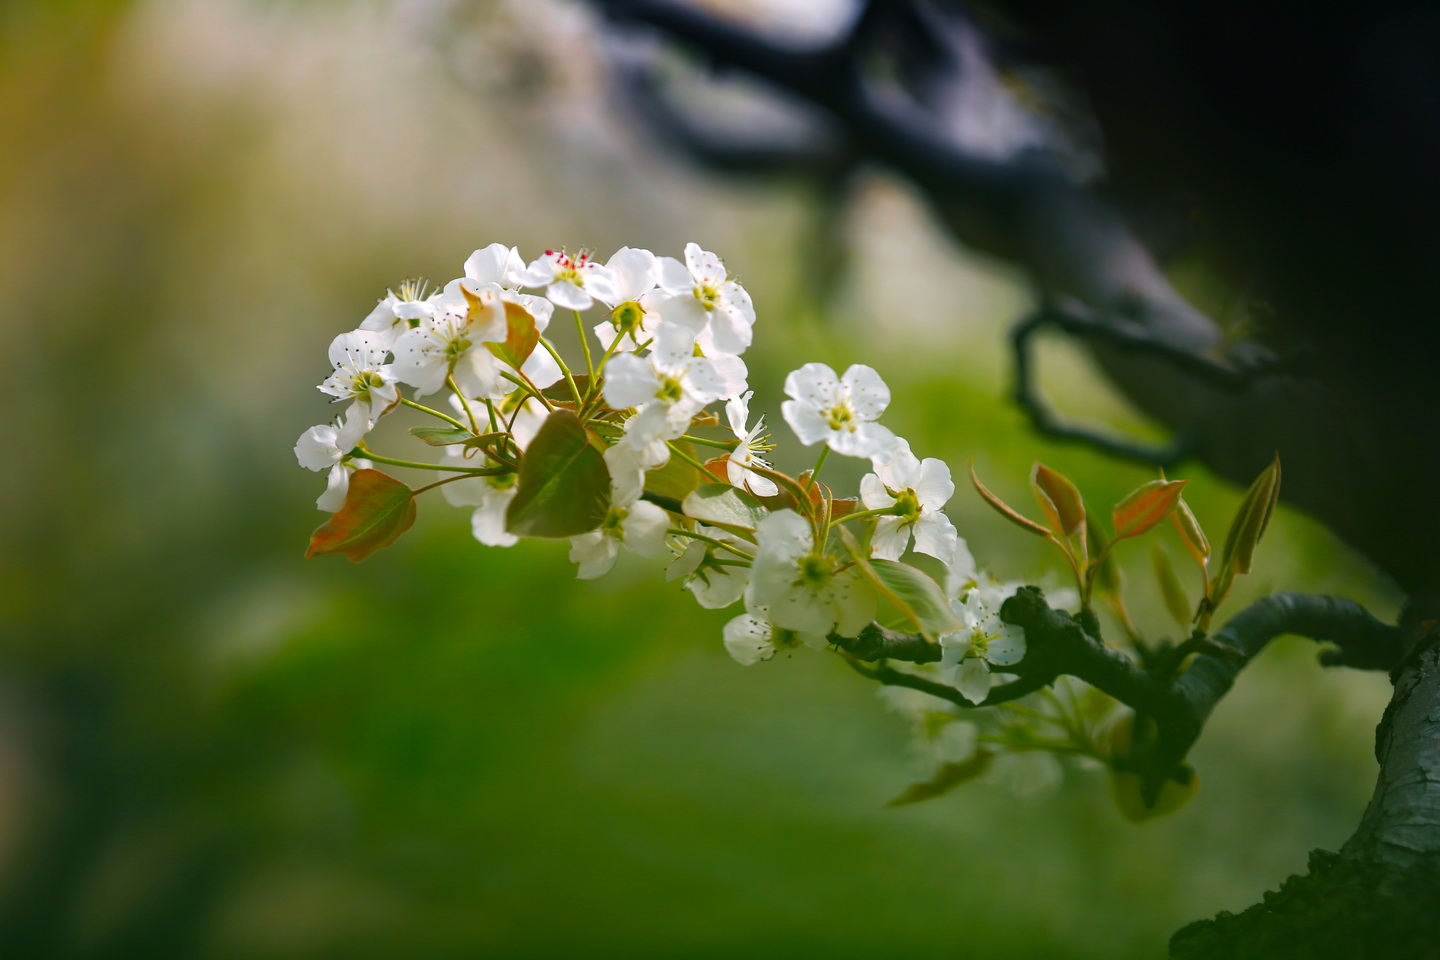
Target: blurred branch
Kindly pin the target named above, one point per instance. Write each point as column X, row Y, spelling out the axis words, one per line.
column 1057, row 643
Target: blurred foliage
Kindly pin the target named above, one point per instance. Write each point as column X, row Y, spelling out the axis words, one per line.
column 212, row 747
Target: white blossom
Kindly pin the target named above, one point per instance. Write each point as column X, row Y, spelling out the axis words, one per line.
column 753, row 637
column 802, row 588
column 398, row 311
column 361, row 374
column 637, row 524
column 702, row 297
column 841, row 411
column 744, row 457
column 467, row 315
column 917, row 491
column 570, row 282
column 984, row 639
column 667, row 387
column 325, row 447
column 715, row 584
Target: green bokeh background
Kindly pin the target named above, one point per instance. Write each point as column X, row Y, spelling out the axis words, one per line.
column 210, row 747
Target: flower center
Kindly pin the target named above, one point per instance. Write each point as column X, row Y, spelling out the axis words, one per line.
column 454, row 347
column 708, row 295
column 362, row 383
column 815, row 570
column 671, row 390
column 907, row 505
column 613, row 524
column 628, row 316
column 842, row 417
column 782, row 639
column 504, row 481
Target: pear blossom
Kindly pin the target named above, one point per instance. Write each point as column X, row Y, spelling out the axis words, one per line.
column 361, row 374
column 570, row 282
column 715, row 585
column 984, row 639
column 744, row 457
column 917, row 492
column 801, row 587
column 327, row 446
column 497, row 264
column 467, row 314
column 702, row 297
column 636, row 523
column 750, row 638
column 490, row 496
column 841, row 411
column 668, row 387
column 398, row 311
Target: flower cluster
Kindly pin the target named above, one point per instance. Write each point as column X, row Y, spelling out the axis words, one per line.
column 628, row 453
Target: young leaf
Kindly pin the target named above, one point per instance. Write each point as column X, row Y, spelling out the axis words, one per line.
column 441, row 436
column 521, row 336
column 1005, row 510
column 724, row 506
column 564, row 486
column 676, row 479
column 378, row 508
column 1174, row 595
column 1107, row 572
column 1145, row 507
column 1190, row 533
column 1251, row 519
column 947, row 778
column 918, row 598
column 1060, row 500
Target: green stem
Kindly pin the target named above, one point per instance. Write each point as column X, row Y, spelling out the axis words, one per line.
column 691, row 460
column 440, row 483
column 469, row 414
column 585, row 345
column 565, row 369
column 494, row 421
column 867, row 514
column 728, row 447
column 416, row 465
column 528, row 387
column 435, row 413
column 824, row 453
column 677, row 532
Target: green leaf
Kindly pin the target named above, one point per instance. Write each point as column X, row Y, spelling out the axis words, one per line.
column 918, row 598
column 724, row 506
column 378, row 508
column 1060, row 500
column 1176, row 602
column 564, row 487
column 449, row 436
column 947, row 778
column 1005, row 510
column 1251, row 519
column 1145, row 507
column 521, row 336
column 1190, row 533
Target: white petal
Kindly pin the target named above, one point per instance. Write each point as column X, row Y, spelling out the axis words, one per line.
column 868, row 393
column 814, row 384
column 729, row 330
column 865, row 441
column 892, row 535
column 684, row 310
column 873, row 495
column 855, row 602
column 802, row 609
column 688, row 562
column 935, row 536
column 702, row 382
column 732, row 371
column 737, row 411
column 629, row 381
column 973, row 680
column 897, row 466
column 784, row 534
column 1008, row 647
column 747, row 639
column 703, row 265
column 715, row 588
column 627, row 478
column 634, row 273
column 809, row 425
column 317, row 450
column 645, row 525
column 934, row 487
column 496, row 263
column 595, row 553
column 487, row 523
column 567, row 296
column 337, row 485
column 674, row 277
